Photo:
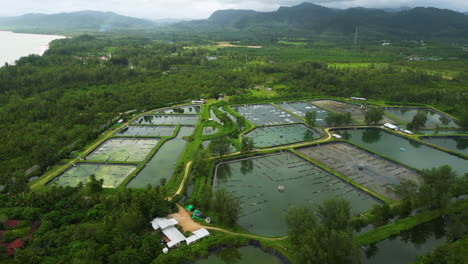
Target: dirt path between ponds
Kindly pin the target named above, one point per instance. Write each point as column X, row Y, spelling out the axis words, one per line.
column 188, row 224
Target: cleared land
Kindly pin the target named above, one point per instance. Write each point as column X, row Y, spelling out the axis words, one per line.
column 371, row 171
column 358, row 113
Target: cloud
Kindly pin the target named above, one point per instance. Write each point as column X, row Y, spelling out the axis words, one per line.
column 198, row 8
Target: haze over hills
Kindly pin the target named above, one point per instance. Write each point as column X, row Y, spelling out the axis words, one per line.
column 93, row 20
column 305, row 19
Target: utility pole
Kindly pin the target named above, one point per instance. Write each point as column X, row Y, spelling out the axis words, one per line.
column 355, row 36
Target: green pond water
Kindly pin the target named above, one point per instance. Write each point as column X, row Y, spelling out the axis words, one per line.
column 233, row 118
column 301, row 108
column 166, row 120
column 214, row 117
column 112, row 174
column 412, row 153
column 255, row 182
column 441, row 132
column 433, row 118
column 187, row 109
column 147, row 131
column 206, row 144
column 265, row 114
column 457, row 144
column 405, row 248
column 282, row 135
column 124, row 149
column 163, row 163
column 209, row 130
column 243, row 255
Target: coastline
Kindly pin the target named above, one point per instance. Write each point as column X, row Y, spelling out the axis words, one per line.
column 16, row 45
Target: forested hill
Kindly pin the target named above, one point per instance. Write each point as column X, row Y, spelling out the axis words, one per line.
column 308, row 19
column 82, row 20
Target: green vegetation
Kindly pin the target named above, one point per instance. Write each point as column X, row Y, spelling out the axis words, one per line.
column 55, row 109
column 374, row 116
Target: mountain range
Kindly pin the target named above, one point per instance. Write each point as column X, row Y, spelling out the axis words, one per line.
column 305, row 19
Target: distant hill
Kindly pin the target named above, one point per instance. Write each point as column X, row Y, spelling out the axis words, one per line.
column 309, row 19
column 83, row 20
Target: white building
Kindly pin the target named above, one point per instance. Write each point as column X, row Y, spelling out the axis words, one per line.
column 175, row 237
column 390, row 126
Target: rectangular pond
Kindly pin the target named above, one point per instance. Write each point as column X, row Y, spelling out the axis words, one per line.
column 163, row 163
column 441, row 132
column 243, row 255
column 112, row 174
column 265, row 114
column 147, row 131
column 407, row 246
column 357, row 112
column 282, row 135
column 301, row 108
column 166, row 120
column 406, row 151
column 369, row 170
column 124, row 149
column 434, row 118
column 454, row 143
column 184, row 109
column 255, row 182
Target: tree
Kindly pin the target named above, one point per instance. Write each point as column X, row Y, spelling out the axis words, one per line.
column 335, row 119
column 419, row 121
column 220, row 145
column 331, row 242
column 437, row 187
column 374, row 116
column 381, row 214
column 463, row 120
column 94, row 185
column 226, row 206
column 247, row 144
column 310, row 118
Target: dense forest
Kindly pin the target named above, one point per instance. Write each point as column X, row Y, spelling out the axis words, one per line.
column 54, row 104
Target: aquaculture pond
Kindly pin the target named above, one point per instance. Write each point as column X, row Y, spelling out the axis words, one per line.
column 206, row 144
column 454, row 143
column 282, row 135
column 112, row 174
column 441, row 132
column 209, row 130
column 163, row 163
column 405, row 247
column 185, row 109
column 369, row 170
column 301, row 108
column 406, row 151
column 147, row 131
column 255, row 181
column 243, row 255
column 214, row 117
column 434, row 119
column 265, row 114
column 233, row 118
column 166, row 120
column 124, row 149
column 357, row 112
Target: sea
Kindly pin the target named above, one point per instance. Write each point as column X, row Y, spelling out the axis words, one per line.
column 16, row 45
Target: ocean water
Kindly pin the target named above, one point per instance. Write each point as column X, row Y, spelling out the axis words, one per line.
column 16, row 45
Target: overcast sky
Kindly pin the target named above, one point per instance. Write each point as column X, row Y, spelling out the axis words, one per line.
column 155, row 9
